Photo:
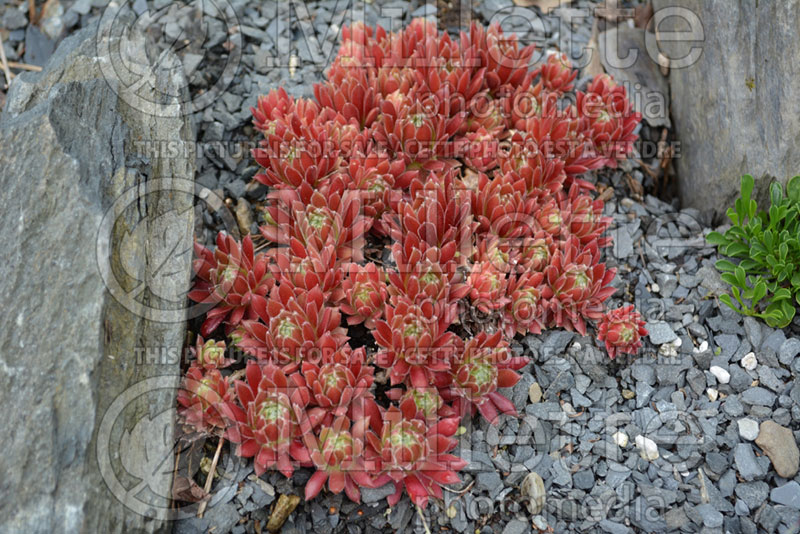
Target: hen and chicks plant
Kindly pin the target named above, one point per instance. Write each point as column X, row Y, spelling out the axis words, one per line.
column 469, row 163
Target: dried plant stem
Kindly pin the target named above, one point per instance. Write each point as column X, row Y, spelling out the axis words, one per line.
column 23, row 66
column 210, row 479
column 422, row 517
column 4, row 63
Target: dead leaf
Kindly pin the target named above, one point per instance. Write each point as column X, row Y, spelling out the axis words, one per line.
column 283, row 509
column 545, row 6
column 595, row 66
column 187, row 490
column 633, row 185
column 244, row 216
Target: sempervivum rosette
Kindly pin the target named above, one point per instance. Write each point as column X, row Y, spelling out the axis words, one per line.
column 363, row 294
column 339, row 382
column 210, row 354
column 414, row 455
column 523, row 313
column 202, row 397
column 577, row 285
column 270, row 419
column 293, row 325
column 485, row 365
column 338, row 455
column 415, row 342
column 621, row 330
column 229, row 278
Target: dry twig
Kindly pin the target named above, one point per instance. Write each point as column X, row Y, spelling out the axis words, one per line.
column 4, row 63
column 210, row 479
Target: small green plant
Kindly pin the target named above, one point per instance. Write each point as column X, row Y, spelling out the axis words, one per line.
column 767, row 247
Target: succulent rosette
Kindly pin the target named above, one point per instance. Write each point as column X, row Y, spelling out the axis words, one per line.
column 586, row 220
column 523, row 161
column 503, row 207
column 294, row 152
column 418, row 132
column 307, row 268
column 415, row 342
column 338, row 454
column 414, row 454
column 557, row 74
column 488, row 287
column 350, row 93
column 318, row 218
column 229, row 278
column 202, row 397
column 363, row 294
column 420, row 277
column 609, row 120
column 338, row 384
column 622, row 331
column 378, row 180
column 425, row 403
column 506, row 63
column 524, row 312
column 270, row 419
column 277, row 106
column 210, row 354
column 551, row 214
column 485, row 365
column 481, row 150
column 577, row 285
column 438, row 216
column 293, row 325
column 533, row 253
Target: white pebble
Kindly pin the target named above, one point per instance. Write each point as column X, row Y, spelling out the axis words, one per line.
column 621, row 439
column 713, row 394
column 678, row 342
column 749, row 361
column 702, row 348
column 748, row 429
column 647, row 448
column 668, row 349
column 655, row 289
column 723, row 376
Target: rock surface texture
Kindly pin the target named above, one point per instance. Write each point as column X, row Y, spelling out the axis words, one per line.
column 735, row 108
column 71, row 154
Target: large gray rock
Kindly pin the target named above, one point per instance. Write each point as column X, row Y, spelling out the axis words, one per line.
column 90, row 349
column 735, row 109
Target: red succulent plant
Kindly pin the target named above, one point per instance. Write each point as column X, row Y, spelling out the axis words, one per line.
column 230, row 278
column 338, row 454
column 557, row 73
column 414, row 455
column 622, row 331
column 202, row 398
column 415, row 341
column 293, row 325
column 210, row 354
column 577, row 286
column 270, row 419
column 468, row 162
column 364, row 294
column 485, row 365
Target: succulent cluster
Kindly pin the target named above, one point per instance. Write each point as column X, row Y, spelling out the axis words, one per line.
column 468, row 162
